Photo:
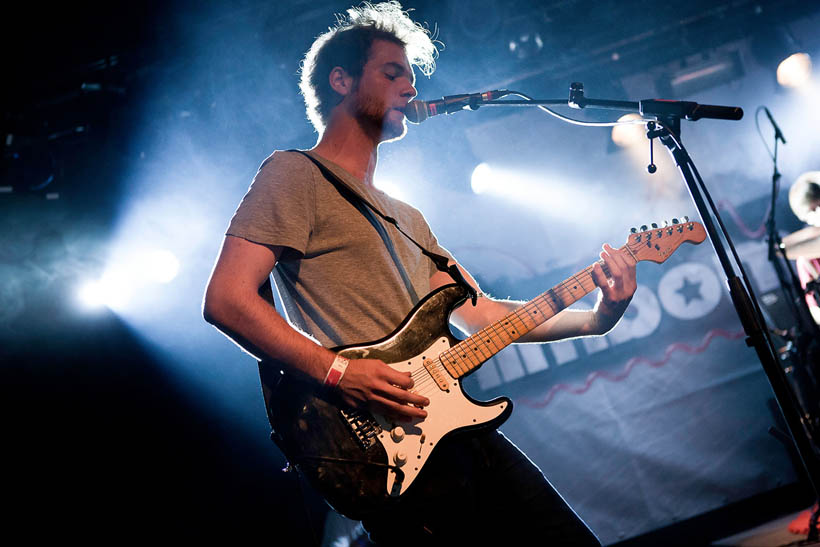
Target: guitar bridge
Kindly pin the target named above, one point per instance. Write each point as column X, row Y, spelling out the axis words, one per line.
column 364, row 427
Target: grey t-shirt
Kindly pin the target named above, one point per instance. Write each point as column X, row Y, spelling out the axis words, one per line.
column 336, row 277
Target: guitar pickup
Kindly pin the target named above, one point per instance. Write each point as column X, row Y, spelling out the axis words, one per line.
column 437, row 374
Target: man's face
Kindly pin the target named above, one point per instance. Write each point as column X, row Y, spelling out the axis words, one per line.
column 383, row 90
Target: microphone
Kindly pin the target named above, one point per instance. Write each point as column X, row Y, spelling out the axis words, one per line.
column 777, row 133
column 418, row 111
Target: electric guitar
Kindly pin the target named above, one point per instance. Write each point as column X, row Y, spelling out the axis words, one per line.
column 359, row 460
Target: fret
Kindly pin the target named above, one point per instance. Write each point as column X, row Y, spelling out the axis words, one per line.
column 477, row 346
column 523, row 315
column 543, row 306
column 554, row 300
column 490, row 338
column 451, row 364
column 577, row 287
column 502, row 334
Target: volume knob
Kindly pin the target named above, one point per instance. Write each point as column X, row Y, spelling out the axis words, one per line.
column 397, row 434
column 400, row 458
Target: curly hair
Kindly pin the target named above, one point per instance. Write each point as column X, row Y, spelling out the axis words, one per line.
column 804, row 195
column 347, row 45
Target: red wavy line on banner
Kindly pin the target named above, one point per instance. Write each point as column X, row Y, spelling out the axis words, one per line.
column 672, row 348
column 748, row 232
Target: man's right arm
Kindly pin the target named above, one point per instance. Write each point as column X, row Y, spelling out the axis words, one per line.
column 233, row 305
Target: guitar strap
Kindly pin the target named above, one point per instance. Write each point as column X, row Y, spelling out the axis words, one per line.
column 351, row 195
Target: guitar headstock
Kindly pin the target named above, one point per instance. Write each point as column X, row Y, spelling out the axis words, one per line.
column 657, row 243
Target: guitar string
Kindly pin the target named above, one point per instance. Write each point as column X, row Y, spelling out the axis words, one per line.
column 496, row 328
column 493, row 331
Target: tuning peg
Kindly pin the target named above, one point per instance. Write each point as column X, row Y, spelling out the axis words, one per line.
column 654, row 225
column 633, row 230
column 644, row 228
column 686, row 219
column 665, row 223
column 675, row 221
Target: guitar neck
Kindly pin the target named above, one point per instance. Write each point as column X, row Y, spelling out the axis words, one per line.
column 470, row 353
column 655, row 244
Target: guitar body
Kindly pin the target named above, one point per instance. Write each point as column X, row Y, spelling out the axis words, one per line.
column 359, row 460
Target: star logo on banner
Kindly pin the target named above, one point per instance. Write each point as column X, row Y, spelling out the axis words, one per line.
column 690, row 291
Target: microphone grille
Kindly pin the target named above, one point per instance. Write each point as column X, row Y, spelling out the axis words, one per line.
column 415, row 111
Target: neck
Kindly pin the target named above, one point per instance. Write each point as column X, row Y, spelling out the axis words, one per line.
column 346, row 143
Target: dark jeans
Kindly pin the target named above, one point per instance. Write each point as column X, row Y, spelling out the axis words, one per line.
column 480, row 489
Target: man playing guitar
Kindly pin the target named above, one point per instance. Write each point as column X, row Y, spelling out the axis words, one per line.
column 345, row 277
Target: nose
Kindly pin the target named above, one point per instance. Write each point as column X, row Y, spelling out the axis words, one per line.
column 410, row 92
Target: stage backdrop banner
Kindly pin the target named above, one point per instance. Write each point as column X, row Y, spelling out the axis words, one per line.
column 664, row 418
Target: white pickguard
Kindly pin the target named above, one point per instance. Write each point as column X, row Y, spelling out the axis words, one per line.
column 447, row 411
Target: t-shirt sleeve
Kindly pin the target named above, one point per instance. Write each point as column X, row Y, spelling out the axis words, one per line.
column 279, row 207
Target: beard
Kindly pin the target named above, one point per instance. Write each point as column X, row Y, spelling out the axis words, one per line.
column 375, row 118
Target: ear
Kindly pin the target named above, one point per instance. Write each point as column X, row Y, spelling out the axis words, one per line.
column 341, row 81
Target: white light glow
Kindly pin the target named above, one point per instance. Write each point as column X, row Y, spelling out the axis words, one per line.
column 795, row 70
column 160, row 266
column 547, row 194
column 390, row 188
column 629, row 135
column 482, row 178
column 128, row 272
column 109, row 292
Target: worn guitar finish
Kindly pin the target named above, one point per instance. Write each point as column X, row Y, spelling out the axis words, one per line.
column 358, row 460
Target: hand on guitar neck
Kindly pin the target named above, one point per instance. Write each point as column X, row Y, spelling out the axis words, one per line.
column 617, row 288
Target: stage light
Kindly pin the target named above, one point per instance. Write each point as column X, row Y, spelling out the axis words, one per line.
column 127, row 273
column 482, row 178
column 629, row 135
column 108, row 291
column 794, row 70
column 160, row 266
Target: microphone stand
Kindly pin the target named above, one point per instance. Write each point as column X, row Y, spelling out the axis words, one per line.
column 668, row 129
column 805, row 335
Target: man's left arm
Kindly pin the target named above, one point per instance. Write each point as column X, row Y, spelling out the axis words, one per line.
column 613, row 299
